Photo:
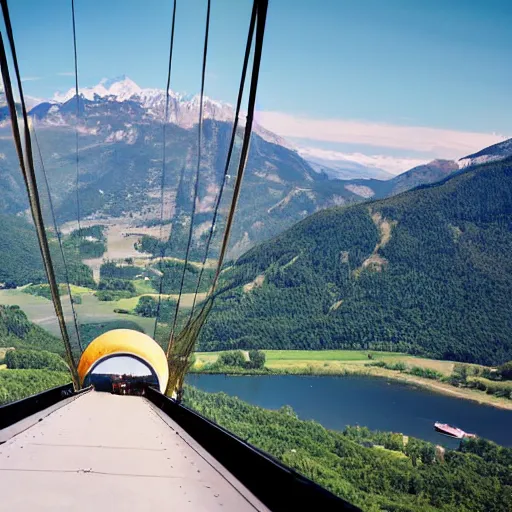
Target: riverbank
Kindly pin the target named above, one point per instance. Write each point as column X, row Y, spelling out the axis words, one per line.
column 354, row 362
column 376, row 469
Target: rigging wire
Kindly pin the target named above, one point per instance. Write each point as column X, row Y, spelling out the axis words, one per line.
column 250, row 36
column 76, row 124
column 77, row 116
column 59, row 239
column 258, row 47
column 162, row 185
column 187, row 338
column 196, row 184
column 30, row 181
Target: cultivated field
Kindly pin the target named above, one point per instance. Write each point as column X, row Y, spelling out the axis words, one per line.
column 40, row 310
column 333, row 361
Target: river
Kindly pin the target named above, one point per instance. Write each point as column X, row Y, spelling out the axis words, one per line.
column 373, row 402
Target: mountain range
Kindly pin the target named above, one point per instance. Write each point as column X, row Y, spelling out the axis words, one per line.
column 120, row 162
column 183, row 109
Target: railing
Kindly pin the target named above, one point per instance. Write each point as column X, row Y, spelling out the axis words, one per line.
column 21, row 409
column 279, row 487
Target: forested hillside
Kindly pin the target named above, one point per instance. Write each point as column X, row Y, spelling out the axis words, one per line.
column 21, row 257
column 19, row 252
column 428, row 271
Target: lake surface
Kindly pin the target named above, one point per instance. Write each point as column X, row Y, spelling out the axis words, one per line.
column 373, row 402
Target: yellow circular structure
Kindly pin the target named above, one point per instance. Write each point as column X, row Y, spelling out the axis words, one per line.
column 125, row 342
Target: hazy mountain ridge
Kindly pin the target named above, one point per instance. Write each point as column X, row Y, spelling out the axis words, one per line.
column 421, row 175
column 342, row 168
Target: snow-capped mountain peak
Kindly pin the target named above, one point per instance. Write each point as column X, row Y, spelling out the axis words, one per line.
column 122, row 88
column 108, row 82
column 492, row 153
column 183, row 109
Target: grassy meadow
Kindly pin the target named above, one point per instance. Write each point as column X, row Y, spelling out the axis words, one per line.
column 332, row 361
column 91, row 310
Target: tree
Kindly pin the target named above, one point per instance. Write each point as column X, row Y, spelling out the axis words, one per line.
column 506, row 371
column 413, row 450
column 394, row 442
column 462, row 371
column 232, row 358
column 428, row 453
column 147, row 307
column 15, row 321
column 256, row 359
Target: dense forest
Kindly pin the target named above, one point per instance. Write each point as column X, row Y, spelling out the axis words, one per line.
column 374, row 470
column 109, row 270
column 18, row 243
column 33, row 363
column 18, row 384
column 172, row 275
column 23, row 359
column 149, row 307
column 21, row 257
column 427, row 271
column 115, row 289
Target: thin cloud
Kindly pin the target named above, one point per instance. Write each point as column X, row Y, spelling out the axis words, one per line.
column 391, row 164
column 30, row 78
column 436, row 141
column 66, row 73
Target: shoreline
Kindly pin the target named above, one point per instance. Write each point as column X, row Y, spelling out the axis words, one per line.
column 433, row 385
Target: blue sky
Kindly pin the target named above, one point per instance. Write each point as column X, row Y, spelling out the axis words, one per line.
column 367, row 65
column 122, row 364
